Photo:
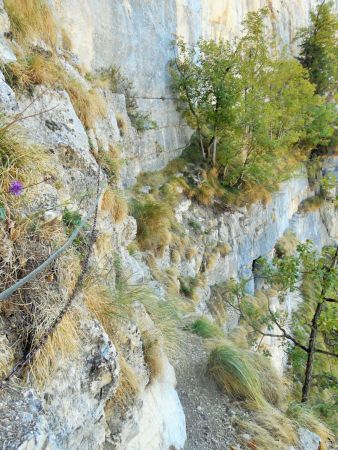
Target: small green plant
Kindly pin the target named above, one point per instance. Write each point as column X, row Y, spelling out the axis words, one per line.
column 195, row 226
column 71, row 219
column 327, row 184
column 205, row 328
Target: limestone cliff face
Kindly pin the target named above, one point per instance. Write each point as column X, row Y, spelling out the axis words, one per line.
column 136, row 36
column 77, row 408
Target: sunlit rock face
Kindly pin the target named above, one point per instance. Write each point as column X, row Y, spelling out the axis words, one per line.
column 137, row 37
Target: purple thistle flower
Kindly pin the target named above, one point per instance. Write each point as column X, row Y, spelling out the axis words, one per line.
column 16, row 188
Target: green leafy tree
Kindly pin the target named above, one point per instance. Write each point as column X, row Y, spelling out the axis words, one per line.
column 256, row 114
column 319, row 48
column 313, row 332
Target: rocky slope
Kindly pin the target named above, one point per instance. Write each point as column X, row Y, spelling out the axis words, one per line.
column 79, row 404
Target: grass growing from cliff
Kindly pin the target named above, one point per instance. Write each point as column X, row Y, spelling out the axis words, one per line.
column 115, row 204
column 154, row 221
column 33, row 69
column 31, row 19
column 205, row 328
column 286, row 245
column 19, row 161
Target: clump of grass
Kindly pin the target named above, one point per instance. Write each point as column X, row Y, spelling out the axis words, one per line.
column 62, row 343
column 224, row 249
column 187, row 286
column 234, row 373
column 34, row 69
column 267, row 430
column 31, row 19
column 211, row 261
column 89, row 105
column 110, row 162
column 115, row 204
column 286, row 245
column 122, row 125
column 66, row 41
column 304, row 417
column 205, row 328
column 128, row 386
column 191, row 252
column 133, row 248
column 18, row 161
column 312, row 204
column 154, row 220
column 273, row 386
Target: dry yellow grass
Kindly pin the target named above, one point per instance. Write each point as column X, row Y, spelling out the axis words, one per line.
column 115, row 204
column 211, row 261
column 122, row 125
column 89, row 105
column 31, row 19
column 312, row 204
column 64, row 342
column 224, row 249
column 128, row 386
column 302, row 416
column 286, row 245
column 154, row 220
column 110, row 162
column 191, row 253
column 34, row 69
column 153, row 353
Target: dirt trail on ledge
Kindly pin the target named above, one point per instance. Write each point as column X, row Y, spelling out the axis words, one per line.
column 208, row 412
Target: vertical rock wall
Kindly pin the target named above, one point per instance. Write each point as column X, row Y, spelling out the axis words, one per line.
column 136, row 36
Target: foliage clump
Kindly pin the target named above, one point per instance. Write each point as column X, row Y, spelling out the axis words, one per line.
column 205, row 328
column 256, row 114
column 319, row 48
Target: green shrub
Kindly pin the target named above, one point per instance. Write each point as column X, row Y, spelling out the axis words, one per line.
column 71, row 219
column 205, row 328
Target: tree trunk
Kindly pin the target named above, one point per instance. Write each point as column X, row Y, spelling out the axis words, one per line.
column 201, row 144
column 214, row 149
column 313, row 336
column 311, row 352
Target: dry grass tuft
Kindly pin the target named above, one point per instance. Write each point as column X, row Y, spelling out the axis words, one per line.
column 224, row 249
column 18, row 161
column 153, row 353
column 31, row 19
column 234, row 373
column 110, row 162
column 122, row 125
column 261, row 437
column 211, row 261
column 88, row 105
column 61, row 344
column 66, row 41
column 303, row 417
column 35, row 69
column 312, row 204
column 128, row 386
column 286, row 245
column 115, row 204
column 154, row 220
